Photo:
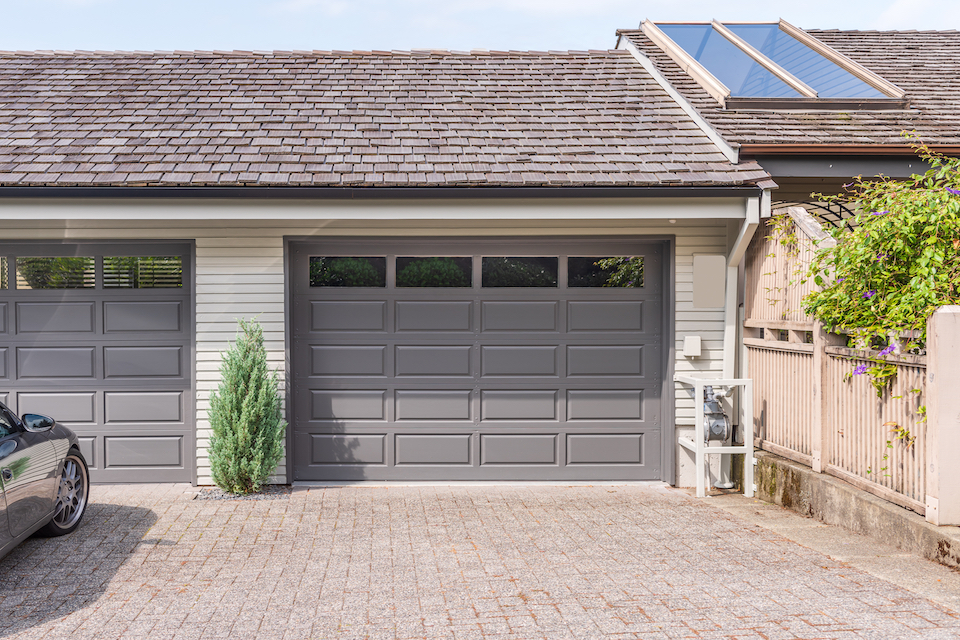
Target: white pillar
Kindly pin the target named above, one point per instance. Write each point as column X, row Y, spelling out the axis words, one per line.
column 943, row 416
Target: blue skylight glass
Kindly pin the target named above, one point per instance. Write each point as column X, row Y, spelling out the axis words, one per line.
column 730, row 65
column 825, row 77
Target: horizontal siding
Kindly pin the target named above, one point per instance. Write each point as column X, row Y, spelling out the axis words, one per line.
column 239, row 267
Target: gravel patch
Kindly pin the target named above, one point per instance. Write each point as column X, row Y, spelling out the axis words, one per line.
column 268, row 492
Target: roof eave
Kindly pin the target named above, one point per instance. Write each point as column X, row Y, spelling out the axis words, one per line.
column 382, row 193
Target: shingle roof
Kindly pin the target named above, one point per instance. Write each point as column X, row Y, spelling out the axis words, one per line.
column 925, row 64
column 347, row 119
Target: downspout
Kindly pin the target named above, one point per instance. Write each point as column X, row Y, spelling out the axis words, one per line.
column 756, row 208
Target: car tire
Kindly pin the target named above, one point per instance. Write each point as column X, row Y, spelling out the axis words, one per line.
column 72, row 496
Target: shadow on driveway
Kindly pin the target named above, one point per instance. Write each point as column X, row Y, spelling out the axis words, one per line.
column 46, row 578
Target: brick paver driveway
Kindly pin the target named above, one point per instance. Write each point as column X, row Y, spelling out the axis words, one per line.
column 523, row 562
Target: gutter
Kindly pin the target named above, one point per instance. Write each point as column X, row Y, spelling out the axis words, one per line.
column 381, row 193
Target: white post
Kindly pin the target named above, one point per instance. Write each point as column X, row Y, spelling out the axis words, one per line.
column 943, row 416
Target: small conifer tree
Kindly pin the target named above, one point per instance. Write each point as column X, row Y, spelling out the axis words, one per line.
column 246, row 416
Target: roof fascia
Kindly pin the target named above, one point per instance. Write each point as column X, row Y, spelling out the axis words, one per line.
column 843, row 61
column 792, row 81
column 841, row 166
column 688, row 63
column 758, row 150
column 381, row 193
column 725, row 147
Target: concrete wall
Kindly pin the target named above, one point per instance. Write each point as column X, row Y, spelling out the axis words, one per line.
column 240, row 258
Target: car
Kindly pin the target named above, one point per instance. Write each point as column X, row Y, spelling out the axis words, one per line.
column 43, row 476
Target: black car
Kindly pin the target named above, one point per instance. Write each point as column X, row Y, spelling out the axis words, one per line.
column 43, row 477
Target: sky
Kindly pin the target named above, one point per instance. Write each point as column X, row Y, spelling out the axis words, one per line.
column 415, row 24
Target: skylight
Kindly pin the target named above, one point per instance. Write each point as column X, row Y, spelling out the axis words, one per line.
column 771, row 66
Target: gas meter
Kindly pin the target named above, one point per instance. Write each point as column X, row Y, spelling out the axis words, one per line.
column 716, row 424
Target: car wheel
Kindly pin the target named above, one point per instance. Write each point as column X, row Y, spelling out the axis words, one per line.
column 72, row 496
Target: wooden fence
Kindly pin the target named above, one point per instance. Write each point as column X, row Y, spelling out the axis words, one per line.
column 809, row 406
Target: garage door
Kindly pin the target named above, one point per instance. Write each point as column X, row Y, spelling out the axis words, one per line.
column 491, row 360
column 99, row 336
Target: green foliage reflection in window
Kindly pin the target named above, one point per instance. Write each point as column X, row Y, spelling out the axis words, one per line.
column 622, row 271
column 348, row 272
column 3, row 272
column 142, row 272
column 55, row 273
column 434, row 272
column 519, row 272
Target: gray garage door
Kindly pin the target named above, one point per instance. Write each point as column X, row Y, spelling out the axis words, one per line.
column 100, row 337
column 487, row 359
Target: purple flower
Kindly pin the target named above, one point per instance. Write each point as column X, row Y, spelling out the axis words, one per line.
column 869, row 294
column 953, row 191
column 841, row 280
column 888, row 350
column 860, row 370
column 879, row 213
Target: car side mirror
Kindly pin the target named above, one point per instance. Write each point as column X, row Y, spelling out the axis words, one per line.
column 36, row 422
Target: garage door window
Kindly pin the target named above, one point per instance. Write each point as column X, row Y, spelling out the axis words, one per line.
column 56, row 273
column 619, row 271
column 435, row 272
column 519, row 272
column 142, row 272
column 3, row 272
column 347, row 271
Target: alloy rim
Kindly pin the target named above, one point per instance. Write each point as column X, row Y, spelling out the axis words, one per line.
column 72, row 496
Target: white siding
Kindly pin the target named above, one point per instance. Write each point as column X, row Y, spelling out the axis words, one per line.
column 239, row 271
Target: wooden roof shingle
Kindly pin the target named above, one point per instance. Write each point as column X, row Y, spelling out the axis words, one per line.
column 358, row 119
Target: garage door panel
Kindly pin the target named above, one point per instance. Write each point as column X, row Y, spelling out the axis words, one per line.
column 416, row 315
column 3, row 317
column 516, row 316
column 55, row 317
column 600, row 449
column 519, row 361
column 3, row 362
column 143, row 406
column 341, row 315
column 55, row 362
column 597, row 315
column 344, row 449
column 69, row 408
column 518, row 449
column 610, row 360
column 518, row 405
column 345, row 404
column 143, row 451
column 143, row 362
column 434, row 404
column 88, row 449
column 417, row 360
column 142, row 316
column 348, row 360
column 433, row 449
column 601, row 404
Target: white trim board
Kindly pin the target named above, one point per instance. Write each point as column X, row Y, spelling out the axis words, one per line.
column 732, row 208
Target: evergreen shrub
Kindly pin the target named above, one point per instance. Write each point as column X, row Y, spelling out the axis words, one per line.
column 246, row 416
